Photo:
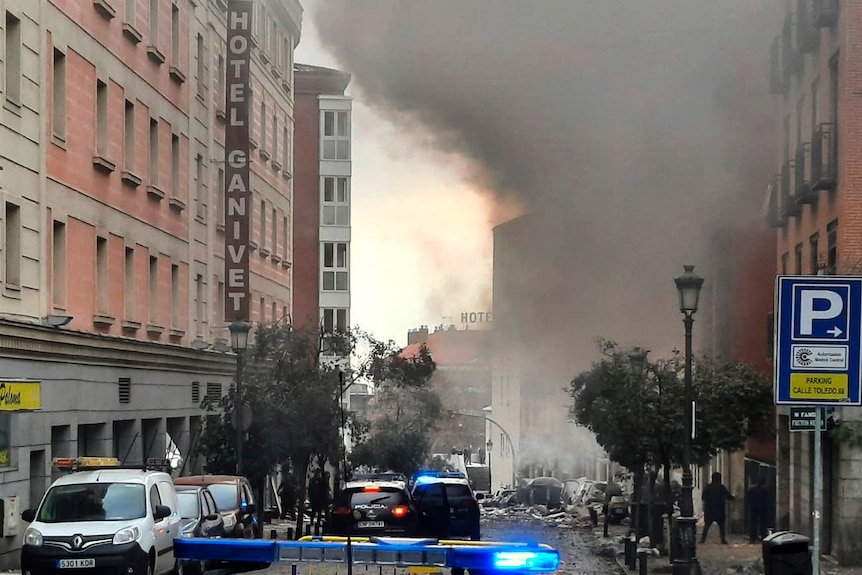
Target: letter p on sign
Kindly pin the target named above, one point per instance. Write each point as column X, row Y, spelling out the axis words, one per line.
column 817, row 305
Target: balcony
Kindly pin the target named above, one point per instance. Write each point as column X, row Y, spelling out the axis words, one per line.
column 791, row 56
column 779, row 78
column 807, row 34
column 787, row 205
column 824, row 173
column 803, row 192
column 824, row 13
column 774, row 215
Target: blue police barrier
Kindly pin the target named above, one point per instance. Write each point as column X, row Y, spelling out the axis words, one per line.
column 396, row 552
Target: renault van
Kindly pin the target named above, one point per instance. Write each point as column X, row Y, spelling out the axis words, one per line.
column 104, row 518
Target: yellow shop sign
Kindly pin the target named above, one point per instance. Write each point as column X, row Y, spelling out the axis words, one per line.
column 20, row 395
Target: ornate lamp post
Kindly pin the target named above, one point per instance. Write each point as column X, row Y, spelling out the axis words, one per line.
column 239, row 342
column 685, row 561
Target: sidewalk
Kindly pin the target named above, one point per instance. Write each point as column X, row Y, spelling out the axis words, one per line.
column 738, row 557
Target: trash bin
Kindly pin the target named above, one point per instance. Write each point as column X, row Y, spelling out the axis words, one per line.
column 786, row 553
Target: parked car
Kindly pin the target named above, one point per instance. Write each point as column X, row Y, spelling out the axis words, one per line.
column 103, row 518
column 200, row 518
column 373, row 508
column 447, row 506
column 235, row 502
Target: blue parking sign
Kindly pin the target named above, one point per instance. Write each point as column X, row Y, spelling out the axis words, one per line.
column 817, row 338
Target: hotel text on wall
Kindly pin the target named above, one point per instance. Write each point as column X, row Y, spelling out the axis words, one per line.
column 237, row 192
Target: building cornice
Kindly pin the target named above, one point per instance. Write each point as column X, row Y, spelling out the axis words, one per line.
column 20, row 340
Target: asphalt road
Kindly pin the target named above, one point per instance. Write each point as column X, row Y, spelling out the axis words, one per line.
column 575, row 546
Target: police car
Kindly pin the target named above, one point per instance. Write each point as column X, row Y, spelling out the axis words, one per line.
column 104, row 517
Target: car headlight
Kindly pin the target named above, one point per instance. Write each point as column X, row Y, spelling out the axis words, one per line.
column 32, row 537
column 127, row 535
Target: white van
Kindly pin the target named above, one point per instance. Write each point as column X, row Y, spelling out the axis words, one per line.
column 104, row 517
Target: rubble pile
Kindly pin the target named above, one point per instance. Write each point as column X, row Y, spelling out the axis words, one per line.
column 533, row 514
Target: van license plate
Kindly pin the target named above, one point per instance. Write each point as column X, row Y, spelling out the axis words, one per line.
column 369, row 524
column 75, row 563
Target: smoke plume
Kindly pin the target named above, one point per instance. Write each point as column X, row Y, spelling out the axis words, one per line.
column 632, row 129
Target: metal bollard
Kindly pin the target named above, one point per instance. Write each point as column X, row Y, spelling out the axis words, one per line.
column 273, row 534
column 290, row 533
column 642, row 562
column 630, row 547
column 308, row 529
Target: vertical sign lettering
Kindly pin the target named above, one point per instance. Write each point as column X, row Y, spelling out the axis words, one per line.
column 237, row 192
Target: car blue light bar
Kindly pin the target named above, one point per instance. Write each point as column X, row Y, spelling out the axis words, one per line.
column 384, row 551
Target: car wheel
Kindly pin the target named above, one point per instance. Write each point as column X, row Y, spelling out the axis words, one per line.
column 179, row 568
column 457, row 571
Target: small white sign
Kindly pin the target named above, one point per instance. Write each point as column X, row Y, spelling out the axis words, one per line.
column 828, row 357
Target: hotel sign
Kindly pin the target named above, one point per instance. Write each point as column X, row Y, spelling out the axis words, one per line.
column 237, row 180
column 20, row 395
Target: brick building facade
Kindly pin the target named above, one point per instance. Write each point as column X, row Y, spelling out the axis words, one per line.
column 815, row 67
column 112, row 223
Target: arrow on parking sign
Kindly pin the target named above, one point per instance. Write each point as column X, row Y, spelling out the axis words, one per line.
column 834, row 332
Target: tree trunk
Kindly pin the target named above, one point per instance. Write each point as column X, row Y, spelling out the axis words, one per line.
column 668, row 498
column 301, row 469
column 637, row 490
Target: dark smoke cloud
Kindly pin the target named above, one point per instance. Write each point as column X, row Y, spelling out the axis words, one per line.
column 632, row 128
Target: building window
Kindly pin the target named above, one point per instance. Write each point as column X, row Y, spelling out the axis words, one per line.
column 285, row 232
column 102, row 295
column 262, row 124
column 200, row 188
column 58, row 265
column 201, row 64
column 58, row 95
column 336, row 208
column 814, row 99
column 800, row 108
column 832, row 247
column 220, row 80
column 220, row 192
column 154, row 152
column 275, row 137
column 196, row 392
column 798, row 260
column 262, row 310
column 125, row 389
column 335, row 266
column 154, row 21
column 13, row 245
column 336, row 135
column 129, row 287
column 813, row 242
column 274, row 231
column 335, row 320
column 220, row 301
column 263, row 224
column 175, row 35
column 13, row 59
column 213, row 391
column 175, row 166
column 833, row 90
column 784, row 259
column 154, row 289
column 101, row 118
column 129, row 137
column 285, row 149
column 175, row 295
column 200, row 319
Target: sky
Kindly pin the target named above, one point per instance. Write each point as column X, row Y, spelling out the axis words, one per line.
column 421, row 233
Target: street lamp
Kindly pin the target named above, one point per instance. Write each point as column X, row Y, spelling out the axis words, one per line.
column 489, row 447
column 685, row 561
column 239, row 342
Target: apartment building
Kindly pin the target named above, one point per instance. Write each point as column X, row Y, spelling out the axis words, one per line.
column 111, row 275
column 816, row 212
column 322, row 199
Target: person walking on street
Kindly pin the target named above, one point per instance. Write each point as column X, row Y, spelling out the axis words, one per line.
column 715, row 498
column 316, row 496
column 758, row 510
column 287, row 493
